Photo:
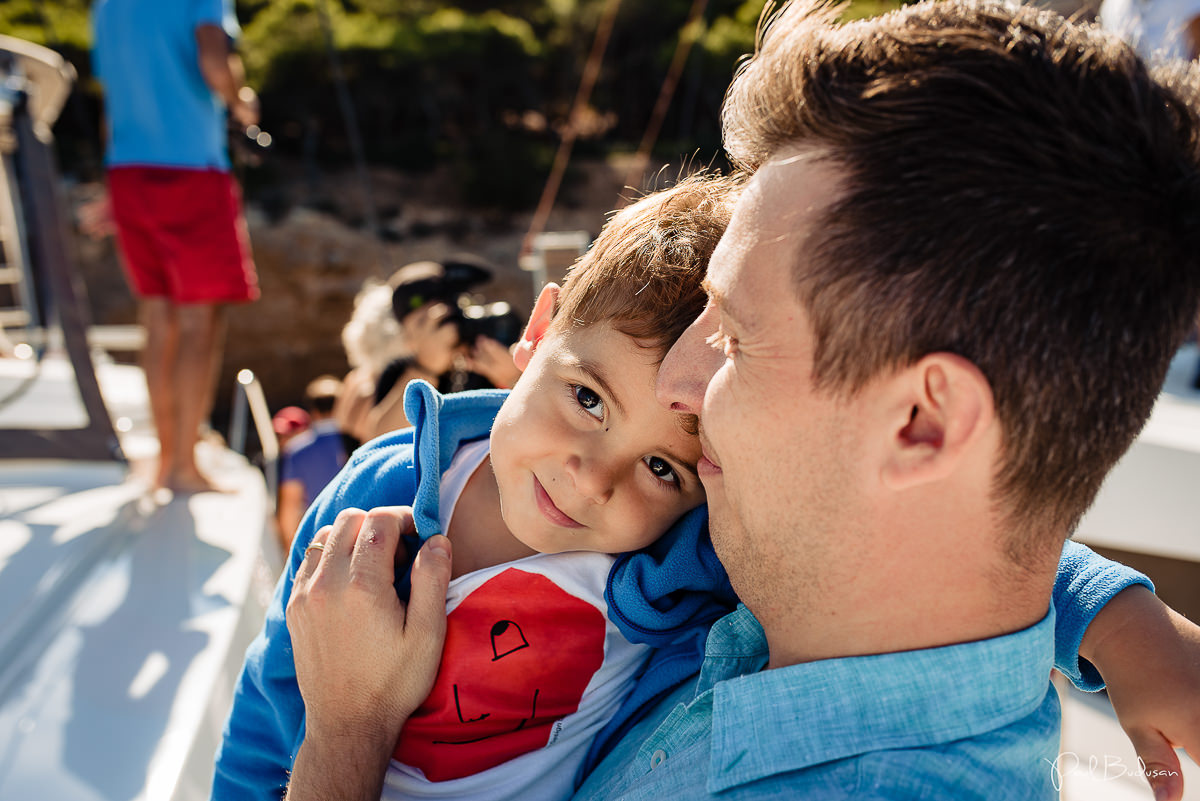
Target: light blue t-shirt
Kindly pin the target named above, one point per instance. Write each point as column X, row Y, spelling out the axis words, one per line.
column 977, row 720
column 159, row 110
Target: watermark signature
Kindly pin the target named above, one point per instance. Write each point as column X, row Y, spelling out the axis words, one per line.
column 1105, row 767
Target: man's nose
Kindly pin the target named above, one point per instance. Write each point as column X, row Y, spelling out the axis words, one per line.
column 592, row 475
column 691, row 362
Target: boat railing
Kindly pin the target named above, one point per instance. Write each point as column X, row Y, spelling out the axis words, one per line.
column 250, row 401
column 34, row 82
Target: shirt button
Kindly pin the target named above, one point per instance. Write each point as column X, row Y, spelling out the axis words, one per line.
column 657, row 758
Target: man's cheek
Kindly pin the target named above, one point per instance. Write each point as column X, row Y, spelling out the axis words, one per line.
column 519, row 653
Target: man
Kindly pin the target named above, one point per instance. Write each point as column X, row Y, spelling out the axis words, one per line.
column 942, row 311
column 169, row 77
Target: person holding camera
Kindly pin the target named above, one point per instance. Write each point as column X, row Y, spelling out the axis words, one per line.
column 439, row 329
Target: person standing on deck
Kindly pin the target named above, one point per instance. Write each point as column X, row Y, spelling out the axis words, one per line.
column 170, row 76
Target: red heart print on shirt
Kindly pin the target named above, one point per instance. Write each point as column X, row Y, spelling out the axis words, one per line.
column 519, row 653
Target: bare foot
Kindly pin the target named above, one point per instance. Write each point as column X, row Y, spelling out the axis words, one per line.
column 187, row 483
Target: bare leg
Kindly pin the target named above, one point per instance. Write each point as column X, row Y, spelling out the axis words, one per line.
column 201, row 333
column 158, row 357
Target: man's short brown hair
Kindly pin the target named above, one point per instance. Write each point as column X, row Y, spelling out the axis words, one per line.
column 1019, row 190
column 644, row 272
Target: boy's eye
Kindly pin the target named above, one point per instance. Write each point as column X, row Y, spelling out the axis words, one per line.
column 590, row 401
column 660, row 468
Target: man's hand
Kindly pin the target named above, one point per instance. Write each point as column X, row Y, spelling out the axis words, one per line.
column 364, row 661
column 1149, row 656
column 245, row 109
column 95, row 217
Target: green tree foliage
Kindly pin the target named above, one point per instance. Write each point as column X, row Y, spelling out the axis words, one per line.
column 62, row 24
column 481, row 85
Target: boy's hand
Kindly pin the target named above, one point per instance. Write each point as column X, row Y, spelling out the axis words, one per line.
column 364, row 660
column 1149, row 656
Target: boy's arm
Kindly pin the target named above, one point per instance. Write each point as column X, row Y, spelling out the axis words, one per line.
column 267, row 718
column 1085, row 584
column 1111, row 628
column 266, row 724
column 1149, row 656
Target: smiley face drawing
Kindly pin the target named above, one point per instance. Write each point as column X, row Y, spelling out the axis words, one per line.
column 519, row 653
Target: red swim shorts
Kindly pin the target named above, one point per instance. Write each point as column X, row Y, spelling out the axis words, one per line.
column 182, row 234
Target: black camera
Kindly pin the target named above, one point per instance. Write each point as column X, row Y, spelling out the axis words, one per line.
column 496, row 320
column 451, row 282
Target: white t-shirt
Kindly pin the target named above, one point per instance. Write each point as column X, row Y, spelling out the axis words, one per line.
column 531, row 671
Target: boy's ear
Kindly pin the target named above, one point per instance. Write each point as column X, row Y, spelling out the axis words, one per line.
column 539, row 323
column 940, row 410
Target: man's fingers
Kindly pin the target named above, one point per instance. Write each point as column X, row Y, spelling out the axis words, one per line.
column 312, row 556
column 1161, row 764
column 345, row 533
column 378, row 545
column 426, row 616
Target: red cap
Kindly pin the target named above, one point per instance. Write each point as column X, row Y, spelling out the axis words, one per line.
column 290, row 420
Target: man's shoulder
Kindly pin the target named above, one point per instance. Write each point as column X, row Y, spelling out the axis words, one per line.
column 812, row 743
column 986, row 768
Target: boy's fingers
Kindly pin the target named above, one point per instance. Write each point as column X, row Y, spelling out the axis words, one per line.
column 1160, row 764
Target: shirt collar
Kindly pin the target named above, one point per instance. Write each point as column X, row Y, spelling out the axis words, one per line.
column 787, row 719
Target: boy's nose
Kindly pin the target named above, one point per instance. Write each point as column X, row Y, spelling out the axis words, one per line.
column 593, row 479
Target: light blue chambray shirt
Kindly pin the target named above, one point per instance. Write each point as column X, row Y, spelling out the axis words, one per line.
column 978, row 720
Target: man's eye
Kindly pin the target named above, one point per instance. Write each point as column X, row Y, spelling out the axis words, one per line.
column 590, row 401
column 662, row 469
column 721, row 341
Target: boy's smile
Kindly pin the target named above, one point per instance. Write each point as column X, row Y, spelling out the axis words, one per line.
column 584, row 457
column 550, row 510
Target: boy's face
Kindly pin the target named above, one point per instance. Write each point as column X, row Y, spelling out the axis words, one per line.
column 585, row 458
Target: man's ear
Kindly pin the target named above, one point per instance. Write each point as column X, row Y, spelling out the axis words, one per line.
column 535, row 329
column 940, row 411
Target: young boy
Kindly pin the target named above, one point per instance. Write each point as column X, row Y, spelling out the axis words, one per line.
column 581, row 464
column 547, row 632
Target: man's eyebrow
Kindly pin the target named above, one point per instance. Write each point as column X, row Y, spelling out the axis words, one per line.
column 718, row 298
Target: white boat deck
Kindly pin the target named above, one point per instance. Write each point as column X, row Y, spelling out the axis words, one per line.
column 126, row 618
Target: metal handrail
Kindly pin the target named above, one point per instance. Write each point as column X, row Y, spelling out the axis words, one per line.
column 248, row 395
column 33, row 80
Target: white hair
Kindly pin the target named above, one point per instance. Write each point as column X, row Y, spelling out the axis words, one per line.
column 373, row 336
